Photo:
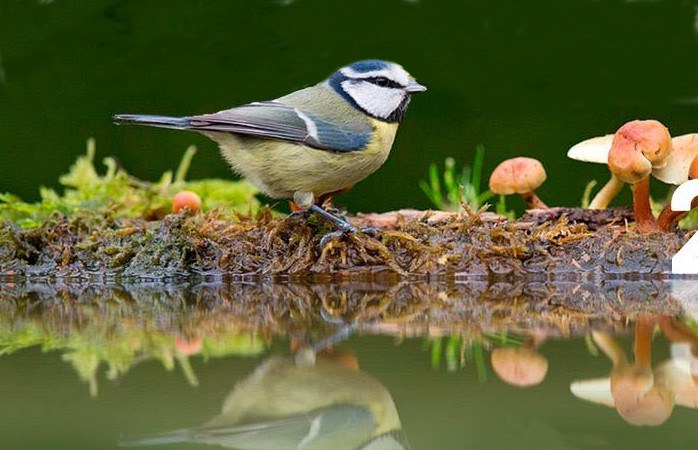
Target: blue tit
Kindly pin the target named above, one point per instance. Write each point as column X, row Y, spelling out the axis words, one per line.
column 312, row 143
column 287, row 405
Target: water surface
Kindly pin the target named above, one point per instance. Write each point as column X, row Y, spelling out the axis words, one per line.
column 96, row 366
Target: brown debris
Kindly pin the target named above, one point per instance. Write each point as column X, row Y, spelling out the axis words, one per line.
column 548, row 244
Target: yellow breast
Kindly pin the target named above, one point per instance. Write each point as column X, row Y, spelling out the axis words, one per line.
column 281, row 168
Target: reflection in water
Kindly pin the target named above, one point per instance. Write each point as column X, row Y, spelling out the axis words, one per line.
column 641, row 395
column 303, row 402
column 530, row 333
column 521, row 366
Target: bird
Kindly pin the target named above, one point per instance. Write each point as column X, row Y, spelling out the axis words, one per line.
column 312, row 143
column 290, row 403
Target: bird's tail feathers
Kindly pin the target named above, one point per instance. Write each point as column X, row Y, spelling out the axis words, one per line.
column 153, row 121
column 168, row 437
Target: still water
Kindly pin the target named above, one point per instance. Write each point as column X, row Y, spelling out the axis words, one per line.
column 425, row 366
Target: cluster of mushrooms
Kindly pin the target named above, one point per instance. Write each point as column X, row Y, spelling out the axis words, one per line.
column 638, row 150
column 642, row 395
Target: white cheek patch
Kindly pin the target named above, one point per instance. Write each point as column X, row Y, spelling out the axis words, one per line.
column 376, row 100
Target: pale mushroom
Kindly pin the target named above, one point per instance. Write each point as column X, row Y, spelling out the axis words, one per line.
column 596, row 150
column 519, row 176
column 680, row 373
column 676, row 373
column 681, row 166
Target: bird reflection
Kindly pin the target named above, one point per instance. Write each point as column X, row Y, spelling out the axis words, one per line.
column 301, row 402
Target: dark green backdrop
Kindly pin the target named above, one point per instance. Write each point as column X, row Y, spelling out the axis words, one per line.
column 519, row 77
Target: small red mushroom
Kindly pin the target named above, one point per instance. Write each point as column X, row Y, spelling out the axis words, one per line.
column 186, row 199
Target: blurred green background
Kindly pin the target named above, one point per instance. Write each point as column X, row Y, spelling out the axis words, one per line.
column 519, row 77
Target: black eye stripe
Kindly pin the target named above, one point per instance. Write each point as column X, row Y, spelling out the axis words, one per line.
column 384, row 82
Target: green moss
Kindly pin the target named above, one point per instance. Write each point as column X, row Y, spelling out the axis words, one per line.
column 117, row 194
column 97, row 344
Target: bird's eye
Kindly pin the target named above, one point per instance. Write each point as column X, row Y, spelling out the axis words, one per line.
column 382, row 81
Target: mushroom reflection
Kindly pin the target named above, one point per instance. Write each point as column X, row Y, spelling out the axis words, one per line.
column 680, row 373
column 521, row 366
column 640, row 397
column 302, row 402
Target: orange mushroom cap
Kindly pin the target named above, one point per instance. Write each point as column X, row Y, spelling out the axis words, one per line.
column 626, row 163
column 649, row 137
column 186, row 199
column 517, row 176
column 519, row 366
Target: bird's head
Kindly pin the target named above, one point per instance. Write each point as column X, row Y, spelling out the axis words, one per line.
column 380, row 89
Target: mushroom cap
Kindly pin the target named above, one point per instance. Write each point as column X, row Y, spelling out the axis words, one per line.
column 596, row 390
column 592, row 150
column 520, row 366
column 693, row 170
column 517, row 176
column 676, row 375
column 679, row 163
column 649, row 137
column 651, row 410
column 186, row 199
column 639, row 399
column 676, row 168
column 626, row 162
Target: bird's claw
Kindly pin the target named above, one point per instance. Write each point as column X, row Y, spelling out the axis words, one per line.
column 327, row 238
column 303, row 214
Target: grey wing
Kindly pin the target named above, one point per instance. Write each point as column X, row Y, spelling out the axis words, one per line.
column 339, row 427
column 275, row 120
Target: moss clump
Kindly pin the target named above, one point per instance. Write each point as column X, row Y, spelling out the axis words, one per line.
column 116, row 194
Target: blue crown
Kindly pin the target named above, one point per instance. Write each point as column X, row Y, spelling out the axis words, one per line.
column 369, row 65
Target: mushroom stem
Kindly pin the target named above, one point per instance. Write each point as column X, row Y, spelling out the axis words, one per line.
column 676, row 332
column 644, row 219
column 668, row 217
column 644, row 327
column 610, row 347
column 607, row 193
column 533, row 201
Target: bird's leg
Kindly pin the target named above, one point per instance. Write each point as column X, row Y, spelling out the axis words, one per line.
column 296, row 211
column 306, row 200
column 344, row 225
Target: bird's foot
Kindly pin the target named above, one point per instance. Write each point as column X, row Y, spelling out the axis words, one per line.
column 298, row 215
column 326, row 239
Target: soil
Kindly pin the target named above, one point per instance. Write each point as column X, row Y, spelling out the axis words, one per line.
column 556, row 244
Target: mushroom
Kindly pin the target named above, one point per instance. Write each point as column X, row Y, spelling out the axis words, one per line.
column 519, row 176
column 681, row 166
column 632, row 389
column 680, row 373
column 638, row 148
column 186, row 199
column 521, row 366
column 596, row 150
